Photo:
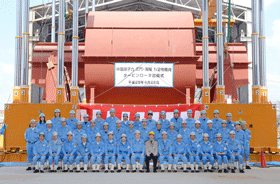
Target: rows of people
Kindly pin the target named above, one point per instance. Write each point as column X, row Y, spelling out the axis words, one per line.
column 98, row 141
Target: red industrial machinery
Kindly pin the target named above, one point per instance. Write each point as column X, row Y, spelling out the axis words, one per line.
column 152, row 37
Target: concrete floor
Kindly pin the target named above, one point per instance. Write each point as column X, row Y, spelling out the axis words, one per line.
column 13, row 174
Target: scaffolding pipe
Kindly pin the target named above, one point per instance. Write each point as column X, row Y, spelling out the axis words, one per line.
column 262, row 61
column 60, row 55
column 75, row 40
column 25, row 44
column 53, row 21
column 220, row 45
column 255, row 44
column 18, row 40
column 93, row 5
column 86, row 12
column 205, row 44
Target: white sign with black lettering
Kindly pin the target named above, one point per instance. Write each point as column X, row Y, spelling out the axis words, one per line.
column 144, row 74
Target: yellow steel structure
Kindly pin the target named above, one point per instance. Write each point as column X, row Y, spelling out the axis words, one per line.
column 220, row 94
column 205, row 95
column 264, row 98
column 16, row 94
column 260, row 119
column 18, row 116
column 256, row 94
column 74, row 95
column 24, row 94
column 60, row 94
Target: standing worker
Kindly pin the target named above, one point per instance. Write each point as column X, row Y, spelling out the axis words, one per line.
column 151, row 150
column 69, row 149
column 56, row 119
column 203, row 120
column 137, row 151
column 111, row 120
column 31, row 137
column 247, row 143
column 97, row 151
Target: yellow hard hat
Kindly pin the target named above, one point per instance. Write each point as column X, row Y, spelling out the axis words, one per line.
column 152, row 133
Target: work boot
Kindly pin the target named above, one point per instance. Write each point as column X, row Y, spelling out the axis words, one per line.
column 241, row 171
column 78, row 168
column 36, row 171
column 232, row 171
column 141, row 168
column 85, row 168
column 112, row 168
column 119, row 168
column 127, row 168
column 28, row 168
column 225, row 171
column 41, row 169
column 106, row 168
column 175, row 168
column 220, row 171
column 133, row 168
column 248, row 167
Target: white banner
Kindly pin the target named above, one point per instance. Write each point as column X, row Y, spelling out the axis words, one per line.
column 144, row 74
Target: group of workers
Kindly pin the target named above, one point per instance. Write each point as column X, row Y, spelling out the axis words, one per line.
column 72, row 145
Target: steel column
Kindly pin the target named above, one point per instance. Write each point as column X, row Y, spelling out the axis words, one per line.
column 60, row 55
column 93, row 5
column 18, row 44
column 25, row 54
column 205, row 39
column 86, row 12
column 53, row 21
column 262, row 47
column 256, row 96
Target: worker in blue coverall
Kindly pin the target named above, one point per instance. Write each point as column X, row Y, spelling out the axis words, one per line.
column 185, row 132
column 99, row 121
column 72, row 121
column 125, row 120
column 111, row 120
column 206, row 151
column 49, row 130
column 151, row 124
column 69, row 149
column 224, row 131
column 198, row 131
column 97, row 151
column 83, row 153
column 119, row 130
column 203, row 120
column 220, row 153
column 217, row 122
column 165, row 151
column 130, row 132
column 123, row 152
column 137, row 122
column 63, row 130
column 144, row 130
column 92, row 131
column 247, row 143
column 86, row 122
column 179, row 152
column 240, row 136
column 171, row 133
column 104, row 132
column 54, row 152
column 40, row 151
column 158, row 131
column 164, row 121
column 211, row 131
column 234, row 152
column 31, row 136
column 230, row 123
column 110, row 152
column 137, row 151
column 56, row 119
column 190, row 121
column 41, row 125
column 79, row 132
column 193, row 150
column 177, row 120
